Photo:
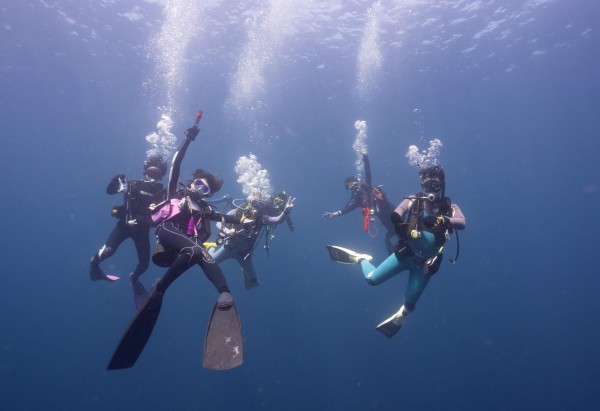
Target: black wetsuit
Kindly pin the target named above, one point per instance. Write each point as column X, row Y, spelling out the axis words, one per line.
column 175, row 234
column 139, row 195
column 373, row 198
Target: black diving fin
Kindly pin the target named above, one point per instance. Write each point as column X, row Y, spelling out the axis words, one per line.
column 137, row 334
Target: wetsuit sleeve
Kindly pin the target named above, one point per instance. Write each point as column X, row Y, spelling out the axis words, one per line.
column 266, row 219
column 457, row 219
column 230, row 218
column 352, row 204
column 367, row 166
column 403, row 207
column 176, row 168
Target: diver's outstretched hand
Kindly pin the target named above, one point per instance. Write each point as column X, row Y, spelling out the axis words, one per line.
column 289, row 205
column 329, row 214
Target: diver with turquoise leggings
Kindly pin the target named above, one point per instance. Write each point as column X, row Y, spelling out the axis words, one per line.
column 238, row 241
column 424, row 222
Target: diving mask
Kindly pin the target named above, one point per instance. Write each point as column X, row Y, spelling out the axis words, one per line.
column 200, row 185
column 353, row 186
column 431, row 186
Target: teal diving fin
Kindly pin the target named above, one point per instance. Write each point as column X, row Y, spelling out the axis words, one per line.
column 392, row 325
column 223, row 345
column 137, row 334
column 346, row 256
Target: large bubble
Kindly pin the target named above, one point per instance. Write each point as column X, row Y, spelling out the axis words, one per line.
column 162, row 141
column 253, row 177
column 425, row 158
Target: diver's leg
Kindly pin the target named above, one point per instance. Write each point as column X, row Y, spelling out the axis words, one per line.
column 221, row 253
column 141, row 239
column 417, row 282
column 181, row 264
column 386, row 270
column 213, row 272
column 249, row 272
column 116, row 237
column 189, row 251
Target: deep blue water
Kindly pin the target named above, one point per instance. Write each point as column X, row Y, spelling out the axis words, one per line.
column 511, row 88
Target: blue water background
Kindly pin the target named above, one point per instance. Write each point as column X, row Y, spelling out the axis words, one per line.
column 513, row 325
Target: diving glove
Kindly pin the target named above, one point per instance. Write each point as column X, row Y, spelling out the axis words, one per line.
column 192, row 132
column 431, row 222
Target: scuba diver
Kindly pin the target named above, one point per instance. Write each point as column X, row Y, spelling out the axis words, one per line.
column 372, row 200
column 133, row 219
column 238, row 241
column 424, row 223
column 183, row 222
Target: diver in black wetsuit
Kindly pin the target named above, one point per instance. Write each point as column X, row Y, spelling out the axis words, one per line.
column 133, row 218
column 372, row 200
column 183, row 233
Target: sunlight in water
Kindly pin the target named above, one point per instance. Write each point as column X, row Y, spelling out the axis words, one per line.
column 267, row 33
column 369, row 59
column 182, row 23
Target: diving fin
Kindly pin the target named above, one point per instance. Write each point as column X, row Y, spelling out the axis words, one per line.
column 223, row 345
column 96, row 274
column 392, row 325
column 140, row 294
column 137, row 334
column 345, row 256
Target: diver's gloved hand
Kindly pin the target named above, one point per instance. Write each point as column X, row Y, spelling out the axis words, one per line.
column 429, row 222
column 443, row 221
column 439, row 222
column 119, row 177
column 122, row 183
column 289, row 205
column 192, row 132
column 329, row 214
column 228, row 231
column 132, row 223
